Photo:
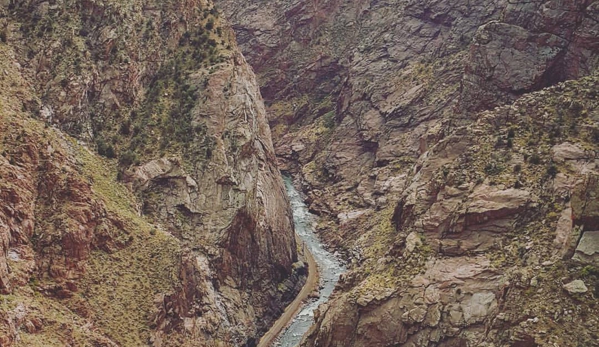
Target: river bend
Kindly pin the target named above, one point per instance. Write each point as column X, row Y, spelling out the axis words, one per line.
column 329, row 268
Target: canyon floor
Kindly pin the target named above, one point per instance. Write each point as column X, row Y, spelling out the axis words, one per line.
column 311, row 285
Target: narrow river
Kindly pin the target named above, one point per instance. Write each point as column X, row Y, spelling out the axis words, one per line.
column 329, row 267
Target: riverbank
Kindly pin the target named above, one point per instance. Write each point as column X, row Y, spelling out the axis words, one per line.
column 292, row 309
column 324, row 269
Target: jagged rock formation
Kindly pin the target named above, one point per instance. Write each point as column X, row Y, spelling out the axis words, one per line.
column 533, row 45
column 488, row 264
column 188, row 240
column 463, row 221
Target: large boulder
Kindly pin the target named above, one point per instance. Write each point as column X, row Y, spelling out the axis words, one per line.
column 588, row 248
column 488, row 203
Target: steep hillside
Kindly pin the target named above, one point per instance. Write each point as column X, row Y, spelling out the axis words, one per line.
column 490, row 238
column 458, row 218
column 141, row 203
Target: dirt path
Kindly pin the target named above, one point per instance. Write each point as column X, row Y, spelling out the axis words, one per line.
column 293, row 308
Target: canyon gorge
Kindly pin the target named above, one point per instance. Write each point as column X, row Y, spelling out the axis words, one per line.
column 448, row 149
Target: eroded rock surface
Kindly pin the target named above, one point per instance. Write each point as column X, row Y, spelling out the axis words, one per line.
column 188, row 239
column 498, row 240
column 533, row 46
column 389, row 112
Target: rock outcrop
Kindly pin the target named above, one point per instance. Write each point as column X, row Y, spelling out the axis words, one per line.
column 588, row 248
column 534, row 45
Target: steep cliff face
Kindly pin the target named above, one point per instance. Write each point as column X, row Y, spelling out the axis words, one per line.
column 353, row 75
column 224, row 200
column 383, row 75
column 533, row 45
column 179, row 233
column 458, row 218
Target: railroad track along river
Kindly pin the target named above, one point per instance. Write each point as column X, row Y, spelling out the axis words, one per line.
column 324, row 270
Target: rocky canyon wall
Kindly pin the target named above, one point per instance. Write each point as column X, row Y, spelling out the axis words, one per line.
column 447, row 158
column 141, row 202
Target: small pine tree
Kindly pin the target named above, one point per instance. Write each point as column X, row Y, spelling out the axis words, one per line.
column 552, row 170
column 210, row 24
column 535, row 159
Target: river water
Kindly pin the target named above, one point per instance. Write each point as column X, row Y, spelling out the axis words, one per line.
column 329, row 267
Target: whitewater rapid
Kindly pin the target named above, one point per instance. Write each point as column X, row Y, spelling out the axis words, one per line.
column 330, row 268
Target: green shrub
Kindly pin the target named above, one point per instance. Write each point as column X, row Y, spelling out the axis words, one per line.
column 128, row 158
column 589, row 270
column 576, row 108
column 535, row 159
column 125, row 128
column 595, row 135
column 552, row 170
column 329, row 120
column 185, row 38
column 493, row 168
column 110, row 152
column 517, row 168
column 210, row 24
column 105, row 149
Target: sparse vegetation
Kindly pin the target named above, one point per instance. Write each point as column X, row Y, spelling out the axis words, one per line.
column 493, row 168
column 105, row 149
column 552, row 170
column 535, row 159
column 329, row 120
column 517, row 168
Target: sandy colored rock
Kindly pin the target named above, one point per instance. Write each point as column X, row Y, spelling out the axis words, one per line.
column 478, row 306
column 489, row 204
column 567, row 151
column 565, row 234
column 576, row 287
